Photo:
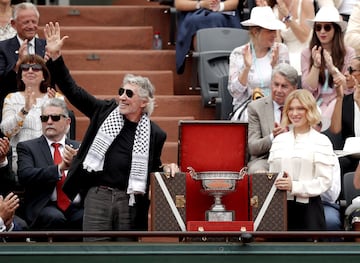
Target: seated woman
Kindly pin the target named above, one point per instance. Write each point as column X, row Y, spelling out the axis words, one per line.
column 326, row 60
column 194, row 15
column 251, row 64
column 22, row 109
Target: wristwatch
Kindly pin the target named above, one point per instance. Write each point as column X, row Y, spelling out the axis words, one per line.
column 198, row 6
column 23, row 111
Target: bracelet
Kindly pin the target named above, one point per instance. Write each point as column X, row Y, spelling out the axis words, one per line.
column 221, row 7
column 23, row 111
column 316, row 66
column 287, row 18
column 198, row 5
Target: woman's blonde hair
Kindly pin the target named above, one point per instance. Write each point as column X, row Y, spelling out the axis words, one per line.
column 308, row 101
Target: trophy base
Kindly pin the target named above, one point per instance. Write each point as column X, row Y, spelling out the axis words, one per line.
column 219, row 216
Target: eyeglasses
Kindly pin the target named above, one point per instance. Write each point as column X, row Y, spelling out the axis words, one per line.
column 351, row 70
column 34, row 67
column 129, row 93
column 327, row 27
column 45, row 118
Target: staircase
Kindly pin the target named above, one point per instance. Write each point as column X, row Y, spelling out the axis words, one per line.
column 106, row 42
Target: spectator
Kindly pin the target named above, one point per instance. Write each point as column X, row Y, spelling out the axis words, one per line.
column 264, row 116
column 346, row 8
column 251, row 64
column 307, row 159
column 345, row 118
column 121, row 147
column 9, row 202
column 22, row 109
column 352, row 34
column 296, row 35
column 6, row 29
column 42, row 171
column 195, row 15
column 12, row 51
column 326, row 59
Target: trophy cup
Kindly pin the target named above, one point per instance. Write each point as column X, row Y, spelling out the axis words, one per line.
column 218, row 184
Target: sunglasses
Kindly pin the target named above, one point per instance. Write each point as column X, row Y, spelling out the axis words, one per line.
column 129, row 93
column 34, row 67
column 351, row 70
column 327, row 27
column 45, row 118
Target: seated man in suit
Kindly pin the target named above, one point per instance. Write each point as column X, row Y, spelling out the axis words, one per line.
column 9, row 202
column 42, row 167
column 25, row 21
column 264, row 116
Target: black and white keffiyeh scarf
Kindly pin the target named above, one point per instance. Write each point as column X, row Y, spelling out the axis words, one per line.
column 109, row 129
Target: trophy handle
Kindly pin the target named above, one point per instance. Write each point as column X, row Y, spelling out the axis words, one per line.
column 192, row 172
column 243, row 172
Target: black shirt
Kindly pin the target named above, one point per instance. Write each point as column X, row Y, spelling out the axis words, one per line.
column 118, row 158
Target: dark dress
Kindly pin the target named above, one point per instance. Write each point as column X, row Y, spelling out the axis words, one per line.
column 190, row 22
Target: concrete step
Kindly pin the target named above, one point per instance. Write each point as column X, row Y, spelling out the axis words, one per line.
column 156, row 16
column 132, row 60
column 105, row 37
column 107, row 82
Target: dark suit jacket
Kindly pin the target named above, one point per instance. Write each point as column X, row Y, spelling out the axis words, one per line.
column 8, row 58
column 7, row 180
column 97, row 110
column 37, row 174
column 347, row 117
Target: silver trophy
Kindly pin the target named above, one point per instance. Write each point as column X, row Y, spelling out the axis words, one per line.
column 218, row 184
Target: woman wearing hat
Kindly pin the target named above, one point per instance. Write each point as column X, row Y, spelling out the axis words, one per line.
column 251, row 64
column 327, row 58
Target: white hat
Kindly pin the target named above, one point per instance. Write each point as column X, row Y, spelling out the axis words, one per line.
column 263, row 16
column 328, row 14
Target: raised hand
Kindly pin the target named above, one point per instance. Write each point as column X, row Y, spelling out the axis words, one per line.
column 54, row 42
column 4, row 148
column 247, row 56
column 328, row 61
column 316, row 56
column 30, row 99
column 356, row 91
column 8, row 206
column 51, row 92
column 275, row 55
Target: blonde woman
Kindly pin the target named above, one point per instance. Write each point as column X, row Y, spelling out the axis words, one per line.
column 307, row 159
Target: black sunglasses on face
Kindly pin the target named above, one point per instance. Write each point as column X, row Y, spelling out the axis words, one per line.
column 34, row 67
column 351, row 70
column 326, row 27
column 129, row 93
column 45, row 118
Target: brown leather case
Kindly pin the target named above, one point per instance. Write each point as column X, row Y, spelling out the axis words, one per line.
column 162, row 217
column 275, row 217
